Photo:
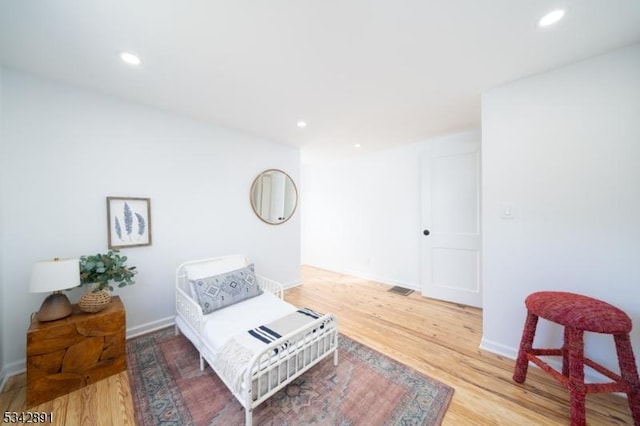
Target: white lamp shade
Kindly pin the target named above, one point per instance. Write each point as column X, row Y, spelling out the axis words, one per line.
column 54, row 275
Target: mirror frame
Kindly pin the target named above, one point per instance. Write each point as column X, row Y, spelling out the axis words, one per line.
column 253, row 205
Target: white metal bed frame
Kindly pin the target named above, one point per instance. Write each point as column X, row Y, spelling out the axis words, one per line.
column 310, row 344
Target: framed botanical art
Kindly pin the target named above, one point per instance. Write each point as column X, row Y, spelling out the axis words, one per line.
column 129, row 222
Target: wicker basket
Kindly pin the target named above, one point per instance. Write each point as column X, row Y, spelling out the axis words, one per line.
column 94, row 301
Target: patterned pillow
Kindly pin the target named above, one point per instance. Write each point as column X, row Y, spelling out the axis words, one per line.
column 226, row 289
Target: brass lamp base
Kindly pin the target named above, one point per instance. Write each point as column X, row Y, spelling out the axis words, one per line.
column 55, row 306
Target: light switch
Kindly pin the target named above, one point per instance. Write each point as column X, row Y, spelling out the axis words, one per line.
column 507, row 210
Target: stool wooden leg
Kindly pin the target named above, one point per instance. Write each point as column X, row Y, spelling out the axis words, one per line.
column 629, row 373
column 526, row 343
column 565, row 353
column 577, row 388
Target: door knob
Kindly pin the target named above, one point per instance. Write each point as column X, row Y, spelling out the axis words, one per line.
column 425, row 232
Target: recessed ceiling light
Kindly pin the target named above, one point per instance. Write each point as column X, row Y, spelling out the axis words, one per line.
column 302, row 124
column 130, row 58
column 551, row 18
column 357, row 145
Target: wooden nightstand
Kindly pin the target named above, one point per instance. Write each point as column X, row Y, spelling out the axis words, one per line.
column 72, row 352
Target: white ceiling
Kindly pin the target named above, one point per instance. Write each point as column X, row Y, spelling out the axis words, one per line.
column 374, row 72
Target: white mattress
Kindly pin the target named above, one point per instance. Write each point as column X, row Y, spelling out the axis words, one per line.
column 224, row 323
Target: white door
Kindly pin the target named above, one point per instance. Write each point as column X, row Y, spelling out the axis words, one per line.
column 450, row 240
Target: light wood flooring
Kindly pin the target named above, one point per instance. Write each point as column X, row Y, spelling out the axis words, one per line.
column 104, row 403
column 441, row 340
column 437, row 338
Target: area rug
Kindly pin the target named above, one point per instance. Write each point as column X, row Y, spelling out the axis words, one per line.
column 366, row 388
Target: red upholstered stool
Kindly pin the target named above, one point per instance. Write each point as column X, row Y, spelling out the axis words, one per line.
column 579, row 314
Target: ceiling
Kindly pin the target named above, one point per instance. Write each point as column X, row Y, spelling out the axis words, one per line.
column 373, row 72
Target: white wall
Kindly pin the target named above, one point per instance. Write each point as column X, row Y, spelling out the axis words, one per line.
column 65, row 150
column 3, row 319
column 564, row 148
column 361, row 216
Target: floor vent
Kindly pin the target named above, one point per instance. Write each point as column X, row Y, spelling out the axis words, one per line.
column 401, row 290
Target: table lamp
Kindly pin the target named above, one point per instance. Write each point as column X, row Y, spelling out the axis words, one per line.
column 54, row 275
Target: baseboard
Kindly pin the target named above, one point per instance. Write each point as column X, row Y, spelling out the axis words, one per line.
column 498, row 348
column 370, row 277
column 292, row 284
column 19, row 367
column 590, row 375
column 383, row 280
column 150, row 326
column 10, row 370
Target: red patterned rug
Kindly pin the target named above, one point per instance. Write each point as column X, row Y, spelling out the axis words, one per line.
column 366, row 388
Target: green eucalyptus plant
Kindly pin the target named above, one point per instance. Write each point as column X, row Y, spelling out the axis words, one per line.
column 105, row 268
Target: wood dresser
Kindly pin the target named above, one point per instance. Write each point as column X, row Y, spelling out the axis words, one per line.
column 70, row 353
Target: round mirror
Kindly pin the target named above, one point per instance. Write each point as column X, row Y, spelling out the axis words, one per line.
column 274, row 196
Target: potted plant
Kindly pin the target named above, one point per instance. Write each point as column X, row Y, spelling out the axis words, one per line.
column 100, row 271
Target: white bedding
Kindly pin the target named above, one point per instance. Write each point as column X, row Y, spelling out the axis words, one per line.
column 225, row 323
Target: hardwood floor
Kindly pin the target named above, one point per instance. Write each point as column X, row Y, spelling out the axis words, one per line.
column 437, row 338
column 441, row 340
column 104, row 403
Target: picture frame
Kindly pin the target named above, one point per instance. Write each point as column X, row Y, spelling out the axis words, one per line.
column 128, row 222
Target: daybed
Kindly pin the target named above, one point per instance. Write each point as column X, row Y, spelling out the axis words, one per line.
column 231, row 335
